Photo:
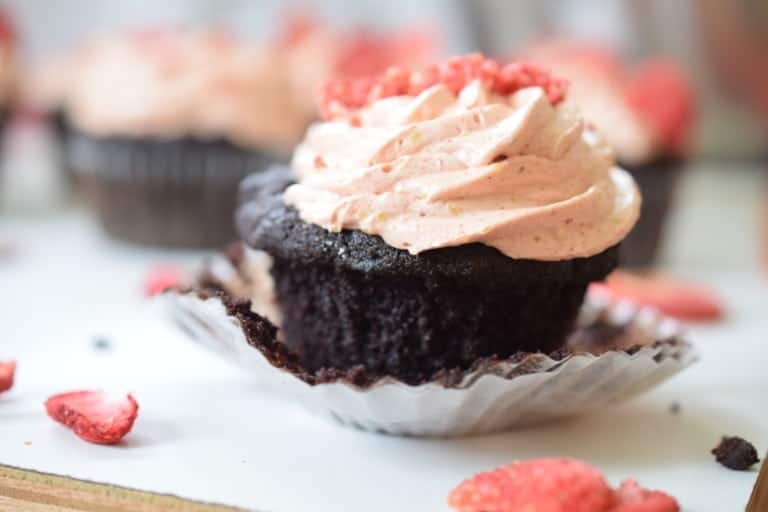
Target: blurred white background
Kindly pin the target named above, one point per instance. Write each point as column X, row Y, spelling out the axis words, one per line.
column 696, row 33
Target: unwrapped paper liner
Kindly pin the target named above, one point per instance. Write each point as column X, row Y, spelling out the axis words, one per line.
column 644, row 350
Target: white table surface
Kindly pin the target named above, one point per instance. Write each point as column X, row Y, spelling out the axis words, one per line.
column 205, row 432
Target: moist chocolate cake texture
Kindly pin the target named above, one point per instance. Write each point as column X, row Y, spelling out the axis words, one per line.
column 348, row 299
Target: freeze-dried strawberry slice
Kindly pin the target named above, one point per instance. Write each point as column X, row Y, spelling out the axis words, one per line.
column 162, row 278
column 662, row 96
column 7, row 372
column 545, row 485
column 633, row 498
column 455, row 74
column 670, row 296
column 93, row 415
column 7, row 32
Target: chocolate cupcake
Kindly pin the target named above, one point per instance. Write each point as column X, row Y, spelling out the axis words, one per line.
column 166, row 124
column 645, row 112
column 439, row 218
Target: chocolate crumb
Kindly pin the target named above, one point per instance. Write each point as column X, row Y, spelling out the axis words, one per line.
column 674, row 408
column 735, row 453
column 101, row 343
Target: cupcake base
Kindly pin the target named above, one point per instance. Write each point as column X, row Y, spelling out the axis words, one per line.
column 635, row 351
column 657, row 181
column 172, row 193
column 411, row 328
column 350, row 300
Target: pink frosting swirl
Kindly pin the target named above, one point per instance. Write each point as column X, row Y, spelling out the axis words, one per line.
column 170, row 84
column 439, row 169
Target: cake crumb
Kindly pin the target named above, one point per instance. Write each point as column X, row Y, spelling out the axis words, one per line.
column 101, row 343
column 735, row 453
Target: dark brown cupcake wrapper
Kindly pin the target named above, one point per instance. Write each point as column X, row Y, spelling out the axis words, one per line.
column 175, row 192
column 657, row 181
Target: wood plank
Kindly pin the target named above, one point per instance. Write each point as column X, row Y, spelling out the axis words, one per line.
column 31, row 491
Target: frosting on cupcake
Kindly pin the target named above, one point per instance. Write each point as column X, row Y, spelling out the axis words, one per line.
column 642, row 112
column 170, row 84
column 45, row 85
column 451, row 166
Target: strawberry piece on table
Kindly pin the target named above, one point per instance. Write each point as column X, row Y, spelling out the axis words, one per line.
column 554, row 485
column 633, row 498
column 545, row 485
column 670, row 296
column 7, row 372
column 93, row 415
column 162, row 278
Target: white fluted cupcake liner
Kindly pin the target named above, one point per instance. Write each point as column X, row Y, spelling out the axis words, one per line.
column 617, row 352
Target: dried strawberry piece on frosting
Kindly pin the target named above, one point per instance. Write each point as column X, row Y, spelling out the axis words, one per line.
column 664, row 99
column 343, row 94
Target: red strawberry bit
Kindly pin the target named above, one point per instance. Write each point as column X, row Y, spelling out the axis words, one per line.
column 662, row 96
column 93, row 416
column 545, row 485
column 633, row 498
column 554, row 485
column 162, row 278
column 7, row 32
column 670, row 296
column 340, row 95
column 7, row 372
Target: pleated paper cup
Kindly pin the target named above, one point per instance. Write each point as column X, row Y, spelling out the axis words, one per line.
column 615, row 352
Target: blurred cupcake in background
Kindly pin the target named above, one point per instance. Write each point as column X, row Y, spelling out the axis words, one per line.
column 44, row 86
column 165, row 125
column 314, row 52
column 646, row 112
column 8, row 70
column 43, row 90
